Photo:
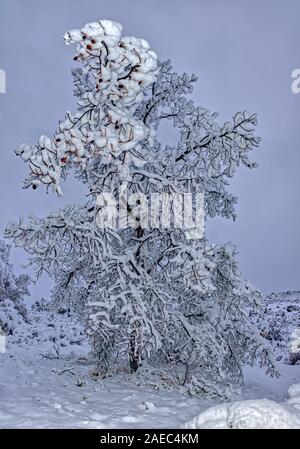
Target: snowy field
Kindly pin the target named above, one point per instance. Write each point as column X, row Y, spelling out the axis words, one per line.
column 44, row 393
column 47, row 381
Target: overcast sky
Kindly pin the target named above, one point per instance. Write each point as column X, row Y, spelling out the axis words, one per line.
column 242, row 51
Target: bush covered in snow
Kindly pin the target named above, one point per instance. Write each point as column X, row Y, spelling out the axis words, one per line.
column 153, row 296
column 280, row 325
column 49, row 333
column 13, row 288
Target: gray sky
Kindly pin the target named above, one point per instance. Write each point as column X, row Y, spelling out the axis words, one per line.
column 242, row 51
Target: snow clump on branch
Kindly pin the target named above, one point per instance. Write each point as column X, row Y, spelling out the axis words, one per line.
column 117, row 70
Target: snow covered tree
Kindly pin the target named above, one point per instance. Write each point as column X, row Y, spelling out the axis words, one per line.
column 150, row 294
column 12, row 291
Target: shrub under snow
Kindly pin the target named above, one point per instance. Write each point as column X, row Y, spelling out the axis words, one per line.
column 153, row 295
column 13, row 288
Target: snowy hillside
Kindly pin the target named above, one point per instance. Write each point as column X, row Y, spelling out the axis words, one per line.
column 281, row 325
column 47, row 381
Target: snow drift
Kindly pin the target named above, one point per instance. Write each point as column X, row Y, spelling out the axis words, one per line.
column 252, row 414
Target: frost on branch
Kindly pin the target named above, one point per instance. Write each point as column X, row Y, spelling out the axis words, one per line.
column 148, row 296
column 116, row 71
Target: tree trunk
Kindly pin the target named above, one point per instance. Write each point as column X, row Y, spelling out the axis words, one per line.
column 134, row 353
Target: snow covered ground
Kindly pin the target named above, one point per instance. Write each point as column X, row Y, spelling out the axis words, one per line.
column 251, row 414
column 47, row 381
column 52, row 393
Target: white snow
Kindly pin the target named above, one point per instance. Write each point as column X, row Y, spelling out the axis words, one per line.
column 41, row 392
column 48, row 382
column 46, row 393
column 252, row 414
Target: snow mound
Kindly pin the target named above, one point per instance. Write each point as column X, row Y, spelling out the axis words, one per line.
column 251, row 414
column 294, row 392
